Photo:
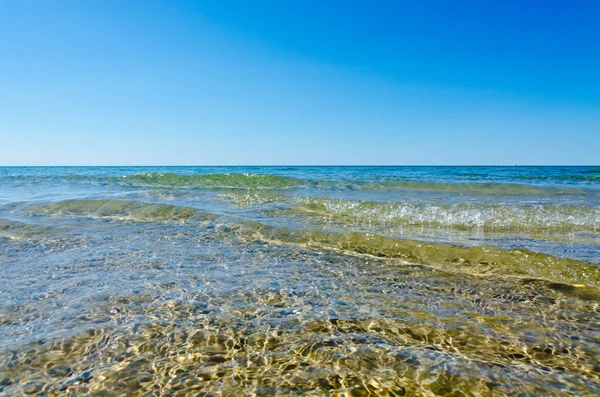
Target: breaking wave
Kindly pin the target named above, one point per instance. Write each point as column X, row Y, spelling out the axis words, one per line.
column 478, row 260
column 460, row 216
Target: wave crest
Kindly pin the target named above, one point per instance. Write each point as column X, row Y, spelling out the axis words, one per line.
column 256, row 181
column 460, row 216
column 479, row 260
column 120, row 209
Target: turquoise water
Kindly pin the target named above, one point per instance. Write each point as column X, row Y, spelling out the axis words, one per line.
column 300, row 280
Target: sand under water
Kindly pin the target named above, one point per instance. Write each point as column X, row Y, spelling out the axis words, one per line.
column 317, row 281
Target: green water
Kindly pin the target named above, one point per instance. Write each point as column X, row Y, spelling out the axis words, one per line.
column 318, row 281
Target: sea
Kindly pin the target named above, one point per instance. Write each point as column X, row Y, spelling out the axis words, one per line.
column 300, row 281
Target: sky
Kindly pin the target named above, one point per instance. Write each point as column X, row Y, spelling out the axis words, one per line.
column 299, row 82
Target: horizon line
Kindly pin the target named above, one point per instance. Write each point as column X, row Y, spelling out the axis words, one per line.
column 312, row 165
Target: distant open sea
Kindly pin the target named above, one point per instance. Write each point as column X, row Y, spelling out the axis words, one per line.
column 317, row 281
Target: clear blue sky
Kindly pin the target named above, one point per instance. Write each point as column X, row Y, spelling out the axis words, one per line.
column 299, row 82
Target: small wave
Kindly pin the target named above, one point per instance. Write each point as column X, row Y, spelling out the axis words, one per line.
column 479, row 260
column 19, row 230
column 272, row 181
column 119, row 209
column 460, row 216
column 252, row 197
column 482, row 188
column 565, row 178
column 256, row 181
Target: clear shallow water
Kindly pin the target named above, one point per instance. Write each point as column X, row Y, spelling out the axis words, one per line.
column 300, row 280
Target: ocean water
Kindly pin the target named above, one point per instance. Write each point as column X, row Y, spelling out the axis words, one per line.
column 317, row 281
